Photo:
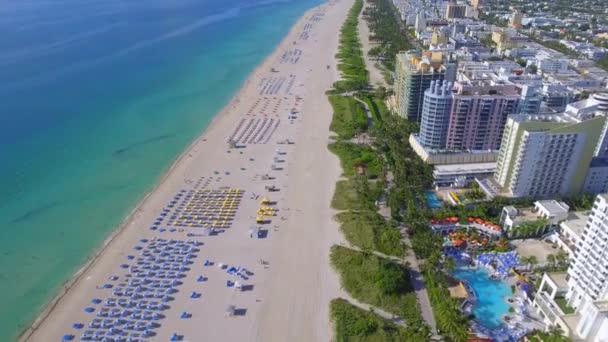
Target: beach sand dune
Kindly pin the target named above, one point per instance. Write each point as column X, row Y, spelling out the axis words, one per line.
column 280, row 122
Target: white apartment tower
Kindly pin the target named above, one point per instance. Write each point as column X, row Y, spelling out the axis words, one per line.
column 588, row 276
column 420, row 23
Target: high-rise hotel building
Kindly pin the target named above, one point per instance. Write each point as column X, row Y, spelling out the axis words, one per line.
column 547, row 155
column 414, row 73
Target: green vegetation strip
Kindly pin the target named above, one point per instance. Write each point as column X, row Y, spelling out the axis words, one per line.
column 353, row 156
column 349, row 117
column 369, row 230
column 354, row 324
column 351, row 63
column 356, row 194
column 376, row 107
column 377, row 281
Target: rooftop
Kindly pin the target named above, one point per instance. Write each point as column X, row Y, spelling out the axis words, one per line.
column 532, row 247
column 558, row 118
column 602, row 305
column 576, row 222
column 552, row 206
column 525, row 215
column 559, row 278
column 572, row 321
column 599, row 162
column 465, row 168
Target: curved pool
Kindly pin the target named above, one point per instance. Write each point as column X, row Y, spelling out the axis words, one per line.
column 491, row 295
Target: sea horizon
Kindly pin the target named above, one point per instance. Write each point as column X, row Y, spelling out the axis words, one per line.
column 100, row 98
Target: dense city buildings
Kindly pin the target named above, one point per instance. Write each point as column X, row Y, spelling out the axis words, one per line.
column 454, row 11
column 516, row 18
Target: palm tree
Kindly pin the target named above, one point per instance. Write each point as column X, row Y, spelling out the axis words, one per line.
column 551, row 260
column 555, row 334
column 562, row 259
column 449, row 265
column 525, row 261
column 532, row 262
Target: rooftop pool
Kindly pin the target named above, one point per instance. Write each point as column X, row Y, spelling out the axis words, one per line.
column 432, row 202
column 491, row 295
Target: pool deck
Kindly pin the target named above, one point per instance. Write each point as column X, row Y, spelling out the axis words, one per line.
column 503, row 332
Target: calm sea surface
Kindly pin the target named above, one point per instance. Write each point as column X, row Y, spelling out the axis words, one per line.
column 97, row 98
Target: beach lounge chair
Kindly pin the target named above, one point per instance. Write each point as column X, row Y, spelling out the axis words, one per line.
column 230, row 310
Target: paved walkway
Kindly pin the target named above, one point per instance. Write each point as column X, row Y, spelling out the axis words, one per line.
column 418, row 283
column 386, row 315
column 370, row 119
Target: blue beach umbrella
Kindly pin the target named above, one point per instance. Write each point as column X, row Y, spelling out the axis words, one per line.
column 96, row 301
column 77, row 325
column 68, row 337
column 89, row 309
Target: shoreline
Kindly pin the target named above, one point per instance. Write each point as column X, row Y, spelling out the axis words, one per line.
column 220, row 117
column 97, row 253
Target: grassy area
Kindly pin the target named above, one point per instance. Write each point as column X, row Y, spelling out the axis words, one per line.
column 376, row 281
column 350, row 57
column 356, row 194
column 376, row 106
column 353, row 155
column 563, row 304
column 354, row 324
column 349, row 116
column 369, row 230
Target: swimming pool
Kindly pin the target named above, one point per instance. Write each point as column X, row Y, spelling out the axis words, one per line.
column 491, row 295
column 432, row 202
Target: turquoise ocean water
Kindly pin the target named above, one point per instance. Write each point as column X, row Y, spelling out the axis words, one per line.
column 97, row 98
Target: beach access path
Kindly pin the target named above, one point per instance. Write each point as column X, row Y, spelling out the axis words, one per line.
column 290, row 281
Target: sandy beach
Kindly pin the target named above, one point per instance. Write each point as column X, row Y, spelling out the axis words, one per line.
column 278, row 282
